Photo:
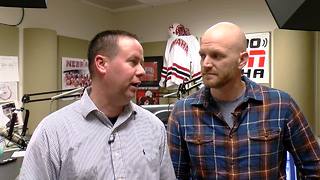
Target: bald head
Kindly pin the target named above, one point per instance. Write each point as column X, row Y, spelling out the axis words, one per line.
column 223, row 55
column 228, row 33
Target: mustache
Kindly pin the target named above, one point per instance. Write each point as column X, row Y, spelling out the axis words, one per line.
column 204, row 72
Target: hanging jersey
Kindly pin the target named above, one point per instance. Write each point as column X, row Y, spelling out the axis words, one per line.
column 181, row 61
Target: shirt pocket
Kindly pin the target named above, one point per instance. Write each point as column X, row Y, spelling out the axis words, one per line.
column 265, row 146
column 152, row 157
column 201, row 146
column 265, row 135
column 199, row 140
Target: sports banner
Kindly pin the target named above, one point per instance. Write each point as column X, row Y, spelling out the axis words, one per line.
column 75, row 73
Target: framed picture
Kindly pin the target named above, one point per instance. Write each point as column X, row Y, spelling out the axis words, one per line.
column 75, row 73
column 147, row 96
column 152, row 66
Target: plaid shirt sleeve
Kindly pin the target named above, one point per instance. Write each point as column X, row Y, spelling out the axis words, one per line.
column 302, row 144
column 177, row 146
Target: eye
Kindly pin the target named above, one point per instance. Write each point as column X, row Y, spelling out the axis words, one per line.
column 217, row 56
column 133, row 62
column 202, row 55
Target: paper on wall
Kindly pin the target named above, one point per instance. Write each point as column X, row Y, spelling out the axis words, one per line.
column 9, row 68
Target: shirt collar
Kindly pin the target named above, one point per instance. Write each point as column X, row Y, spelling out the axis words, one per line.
column 253, row 92
column 87, row 105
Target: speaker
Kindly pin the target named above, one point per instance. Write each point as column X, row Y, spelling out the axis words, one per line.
column 24, row 3
column 296, row 14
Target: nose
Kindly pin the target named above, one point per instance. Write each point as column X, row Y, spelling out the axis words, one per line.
column 206, row 62
column 140, row 71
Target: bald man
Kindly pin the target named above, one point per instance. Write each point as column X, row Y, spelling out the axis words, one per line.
column 234, row 128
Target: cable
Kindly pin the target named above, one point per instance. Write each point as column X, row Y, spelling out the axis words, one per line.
column 22, row 17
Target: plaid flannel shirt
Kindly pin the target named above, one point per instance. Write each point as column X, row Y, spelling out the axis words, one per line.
column 266, row 125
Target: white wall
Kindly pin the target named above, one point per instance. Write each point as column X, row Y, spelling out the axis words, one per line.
column 198, row 15
column 67, row 17
column 294, row 68
column 74, row 19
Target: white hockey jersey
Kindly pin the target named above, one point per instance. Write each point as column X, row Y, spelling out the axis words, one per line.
column 181, row 60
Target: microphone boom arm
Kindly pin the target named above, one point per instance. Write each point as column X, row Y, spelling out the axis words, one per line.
column 66, row 93
column 182, row 88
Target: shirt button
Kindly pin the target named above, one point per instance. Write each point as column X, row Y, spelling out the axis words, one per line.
column 198, row 140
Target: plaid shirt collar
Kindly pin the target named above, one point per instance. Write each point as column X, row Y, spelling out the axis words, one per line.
column 253, row 93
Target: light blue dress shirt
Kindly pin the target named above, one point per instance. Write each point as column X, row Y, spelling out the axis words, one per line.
column 79, row 142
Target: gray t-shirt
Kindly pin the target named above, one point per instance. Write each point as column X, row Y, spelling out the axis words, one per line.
column 228, row 107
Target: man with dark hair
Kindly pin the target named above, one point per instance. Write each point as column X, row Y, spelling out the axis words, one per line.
column 234, row 128
column 103, row 135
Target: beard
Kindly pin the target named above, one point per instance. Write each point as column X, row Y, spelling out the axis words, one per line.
column 215, row 81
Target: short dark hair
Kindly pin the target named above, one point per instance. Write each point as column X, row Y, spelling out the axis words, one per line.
column 106, row 42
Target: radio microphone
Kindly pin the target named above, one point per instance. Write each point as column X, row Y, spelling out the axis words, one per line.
column 14, row 137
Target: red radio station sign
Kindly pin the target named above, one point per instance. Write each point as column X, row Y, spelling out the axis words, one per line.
column 258, row 65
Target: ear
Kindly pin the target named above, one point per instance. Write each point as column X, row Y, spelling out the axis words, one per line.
column 101, row 63
column 243, row 59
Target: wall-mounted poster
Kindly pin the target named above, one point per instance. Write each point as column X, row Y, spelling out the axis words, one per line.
column 152, row 66
column 75, row 73
column 258, row 65
column 147, row 96
column 9, row 68
column 8, row 91
column 9, row 78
